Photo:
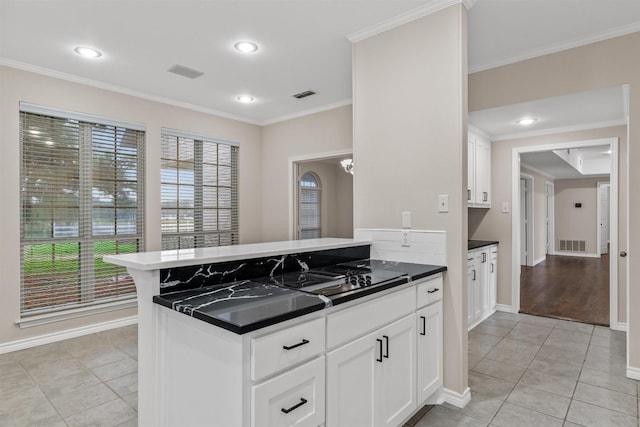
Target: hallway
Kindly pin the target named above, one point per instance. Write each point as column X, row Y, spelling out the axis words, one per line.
column 566, row 287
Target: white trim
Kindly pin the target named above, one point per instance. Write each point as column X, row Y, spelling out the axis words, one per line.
column 633, row 373
column 530, row 215
column 65, row 335
column 411, row 15
column 515, row 214
column 474, row 129
column 75, row 313
column 577, row 254
column 118, row 89
column 192, row 135
column 456, row 399
column 550, row 222
column 538, row 171
column 505, row 308
column 307, row 112
column 82, row 117
column 563, row 129
column 619, row 326
column 599, row 186
column 609, row 34
column 539, row 260
column 293, row 184
column 625, row 96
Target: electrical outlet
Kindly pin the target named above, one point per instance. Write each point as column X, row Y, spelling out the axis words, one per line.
column 406, row 239
column 443, row 203
column 406, row 219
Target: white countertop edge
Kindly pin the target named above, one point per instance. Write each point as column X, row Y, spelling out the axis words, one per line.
column 183, row 257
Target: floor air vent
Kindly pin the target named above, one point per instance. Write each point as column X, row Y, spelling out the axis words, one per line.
column 573, row 245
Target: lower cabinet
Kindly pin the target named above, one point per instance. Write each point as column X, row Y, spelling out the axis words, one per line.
column 372, row 380
column 429, row 346
column 481, row 284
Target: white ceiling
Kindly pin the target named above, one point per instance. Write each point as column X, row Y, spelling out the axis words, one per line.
column 303, row 44
column 552, row 165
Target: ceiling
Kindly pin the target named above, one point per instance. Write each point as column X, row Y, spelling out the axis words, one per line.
column 303, row 44
column 552, row 165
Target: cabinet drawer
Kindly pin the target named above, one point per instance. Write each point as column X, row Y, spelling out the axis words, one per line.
column 295, row 398
column 279, row 350
column 357, row 320
column 429, row 291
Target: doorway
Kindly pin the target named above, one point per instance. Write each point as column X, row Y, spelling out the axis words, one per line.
column 518, row 234
column 603, row 222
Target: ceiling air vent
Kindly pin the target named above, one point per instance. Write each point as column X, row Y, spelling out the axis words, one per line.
column 304, row 94
column 183, row 71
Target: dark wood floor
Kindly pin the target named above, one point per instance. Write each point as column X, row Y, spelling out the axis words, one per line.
column 567, row 287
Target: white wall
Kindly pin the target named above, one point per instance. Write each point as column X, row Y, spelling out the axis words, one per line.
column 577, row 223
column 17, row 86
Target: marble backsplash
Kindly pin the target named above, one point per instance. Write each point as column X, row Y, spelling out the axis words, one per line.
column 196, row 276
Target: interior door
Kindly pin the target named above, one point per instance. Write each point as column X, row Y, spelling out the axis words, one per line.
column 524, row 238
column 604, row 218
column 549, row 190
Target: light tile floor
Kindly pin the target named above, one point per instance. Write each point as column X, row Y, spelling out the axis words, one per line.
column 86, row 381
column 541, row 372
column 523, row 371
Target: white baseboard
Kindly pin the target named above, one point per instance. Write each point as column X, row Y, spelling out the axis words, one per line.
column 633, row 373
column 539, row 260
column 456, row 399
column 578, row 254
column 64, row 335
column 619, row 326
column 506, row 308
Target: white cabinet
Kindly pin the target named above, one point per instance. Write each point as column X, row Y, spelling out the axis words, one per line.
column 481, row 284
column 429, row 346
column 371, row 381
column 478, row 171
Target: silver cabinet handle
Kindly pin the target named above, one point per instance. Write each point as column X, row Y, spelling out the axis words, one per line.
column 485, row 196
column 468, row 194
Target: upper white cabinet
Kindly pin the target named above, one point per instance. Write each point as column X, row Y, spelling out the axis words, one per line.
column 478, row 171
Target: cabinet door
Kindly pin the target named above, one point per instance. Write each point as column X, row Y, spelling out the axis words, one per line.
column 483, row 172
column 482, row 263
column 492, row 293
column 479, row 285
column 429, row 346
column 351, row 373
column 471, row 169
column 471, row 288
column 396, row 384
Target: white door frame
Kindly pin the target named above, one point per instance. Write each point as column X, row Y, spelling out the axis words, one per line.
column 530, row 261
column 613, row 230
column 293, row 182
column 550, row 212
column 601, row 184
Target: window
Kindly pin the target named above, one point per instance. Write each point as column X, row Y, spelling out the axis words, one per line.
column 310, row 194
column 81, row 198
column 199, row 180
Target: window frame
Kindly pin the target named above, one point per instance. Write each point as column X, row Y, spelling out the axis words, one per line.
column 312, row 189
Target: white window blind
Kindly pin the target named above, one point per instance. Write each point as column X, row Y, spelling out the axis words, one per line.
column 309, row 196
column 82, row 198
column 199, row 178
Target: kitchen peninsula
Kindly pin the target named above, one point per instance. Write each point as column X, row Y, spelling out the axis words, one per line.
column 304, row 333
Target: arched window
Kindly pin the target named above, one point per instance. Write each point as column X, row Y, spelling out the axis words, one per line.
column 309, row 196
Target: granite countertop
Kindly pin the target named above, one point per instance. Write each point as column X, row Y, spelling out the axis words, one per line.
column 475, row 244
column 245, row 306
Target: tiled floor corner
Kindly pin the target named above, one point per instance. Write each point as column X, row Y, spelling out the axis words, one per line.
column 86, row 381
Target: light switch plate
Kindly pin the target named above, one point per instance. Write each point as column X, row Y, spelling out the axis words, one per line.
column 443, row 203
column 505, row 207
column 406, row 219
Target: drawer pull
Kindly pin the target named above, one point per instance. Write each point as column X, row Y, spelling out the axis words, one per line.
column 433, row 291
column 379, row 359
column 424, row 325
column 296, row 406
column 291, row 347
column 386, row 340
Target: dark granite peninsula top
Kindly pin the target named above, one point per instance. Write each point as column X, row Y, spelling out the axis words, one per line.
column 475, row 244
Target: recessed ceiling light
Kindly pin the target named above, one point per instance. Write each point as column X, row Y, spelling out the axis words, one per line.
column 88, row 52
column 246, row 47
column 245, row 99
column 526, row 121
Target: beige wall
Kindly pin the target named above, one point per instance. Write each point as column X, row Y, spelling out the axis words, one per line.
column 539, row 214
column 577, row 223
column 496, row 225
column 336, row 205
column 410, row 146
column 17, row 86
column 309, row 136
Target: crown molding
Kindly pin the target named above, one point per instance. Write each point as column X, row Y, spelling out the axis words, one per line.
column 468, row 3
column 473, row 128
column 119, row 89
column 536, row 170
column 551, row 131
column 308, row 112
column 420, row 12
column 534, row 53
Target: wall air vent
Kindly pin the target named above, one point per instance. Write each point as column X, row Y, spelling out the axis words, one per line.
column 183, row 71
column 304, row 94
column 573, row 246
